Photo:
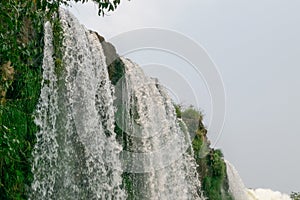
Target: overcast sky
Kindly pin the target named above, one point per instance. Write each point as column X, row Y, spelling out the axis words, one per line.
column 256, row 47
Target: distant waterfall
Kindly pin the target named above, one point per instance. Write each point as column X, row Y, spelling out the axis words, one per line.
column 266, row 194
column 240, row 192
column 77, row 155
column 236, row 185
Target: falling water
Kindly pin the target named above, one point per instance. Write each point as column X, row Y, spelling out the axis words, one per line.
column 77, row 155
column 46, row 148
column 156, row 157
column 236, row 185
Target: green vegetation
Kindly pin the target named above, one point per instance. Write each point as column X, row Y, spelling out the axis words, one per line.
column 211, row 166
column 295, row 195
column 21, row 50
column 21, row 54
column 103, row 5
column 178, row 110
column 128, row 179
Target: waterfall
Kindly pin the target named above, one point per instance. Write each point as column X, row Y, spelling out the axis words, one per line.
column 78, row 153
column 157, row 157
column 236, row 185
column 46, row 149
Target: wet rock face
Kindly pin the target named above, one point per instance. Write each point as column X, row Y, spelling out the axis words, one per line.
column 115, row 66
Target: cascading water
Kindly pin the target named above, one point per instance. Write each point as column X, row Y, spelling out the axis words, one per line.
column 77, row 156
column 236, row 185
column 46, row 148
column 156, row 157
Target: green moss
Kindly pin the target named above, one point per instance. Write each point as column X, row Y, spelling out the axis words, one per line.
column 128, row 184
column 116, row 71
column 58, row 46
column 178, row 111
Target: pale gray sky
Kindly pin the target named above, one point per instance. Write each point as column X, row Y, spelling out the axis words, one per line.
column 256, row 45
